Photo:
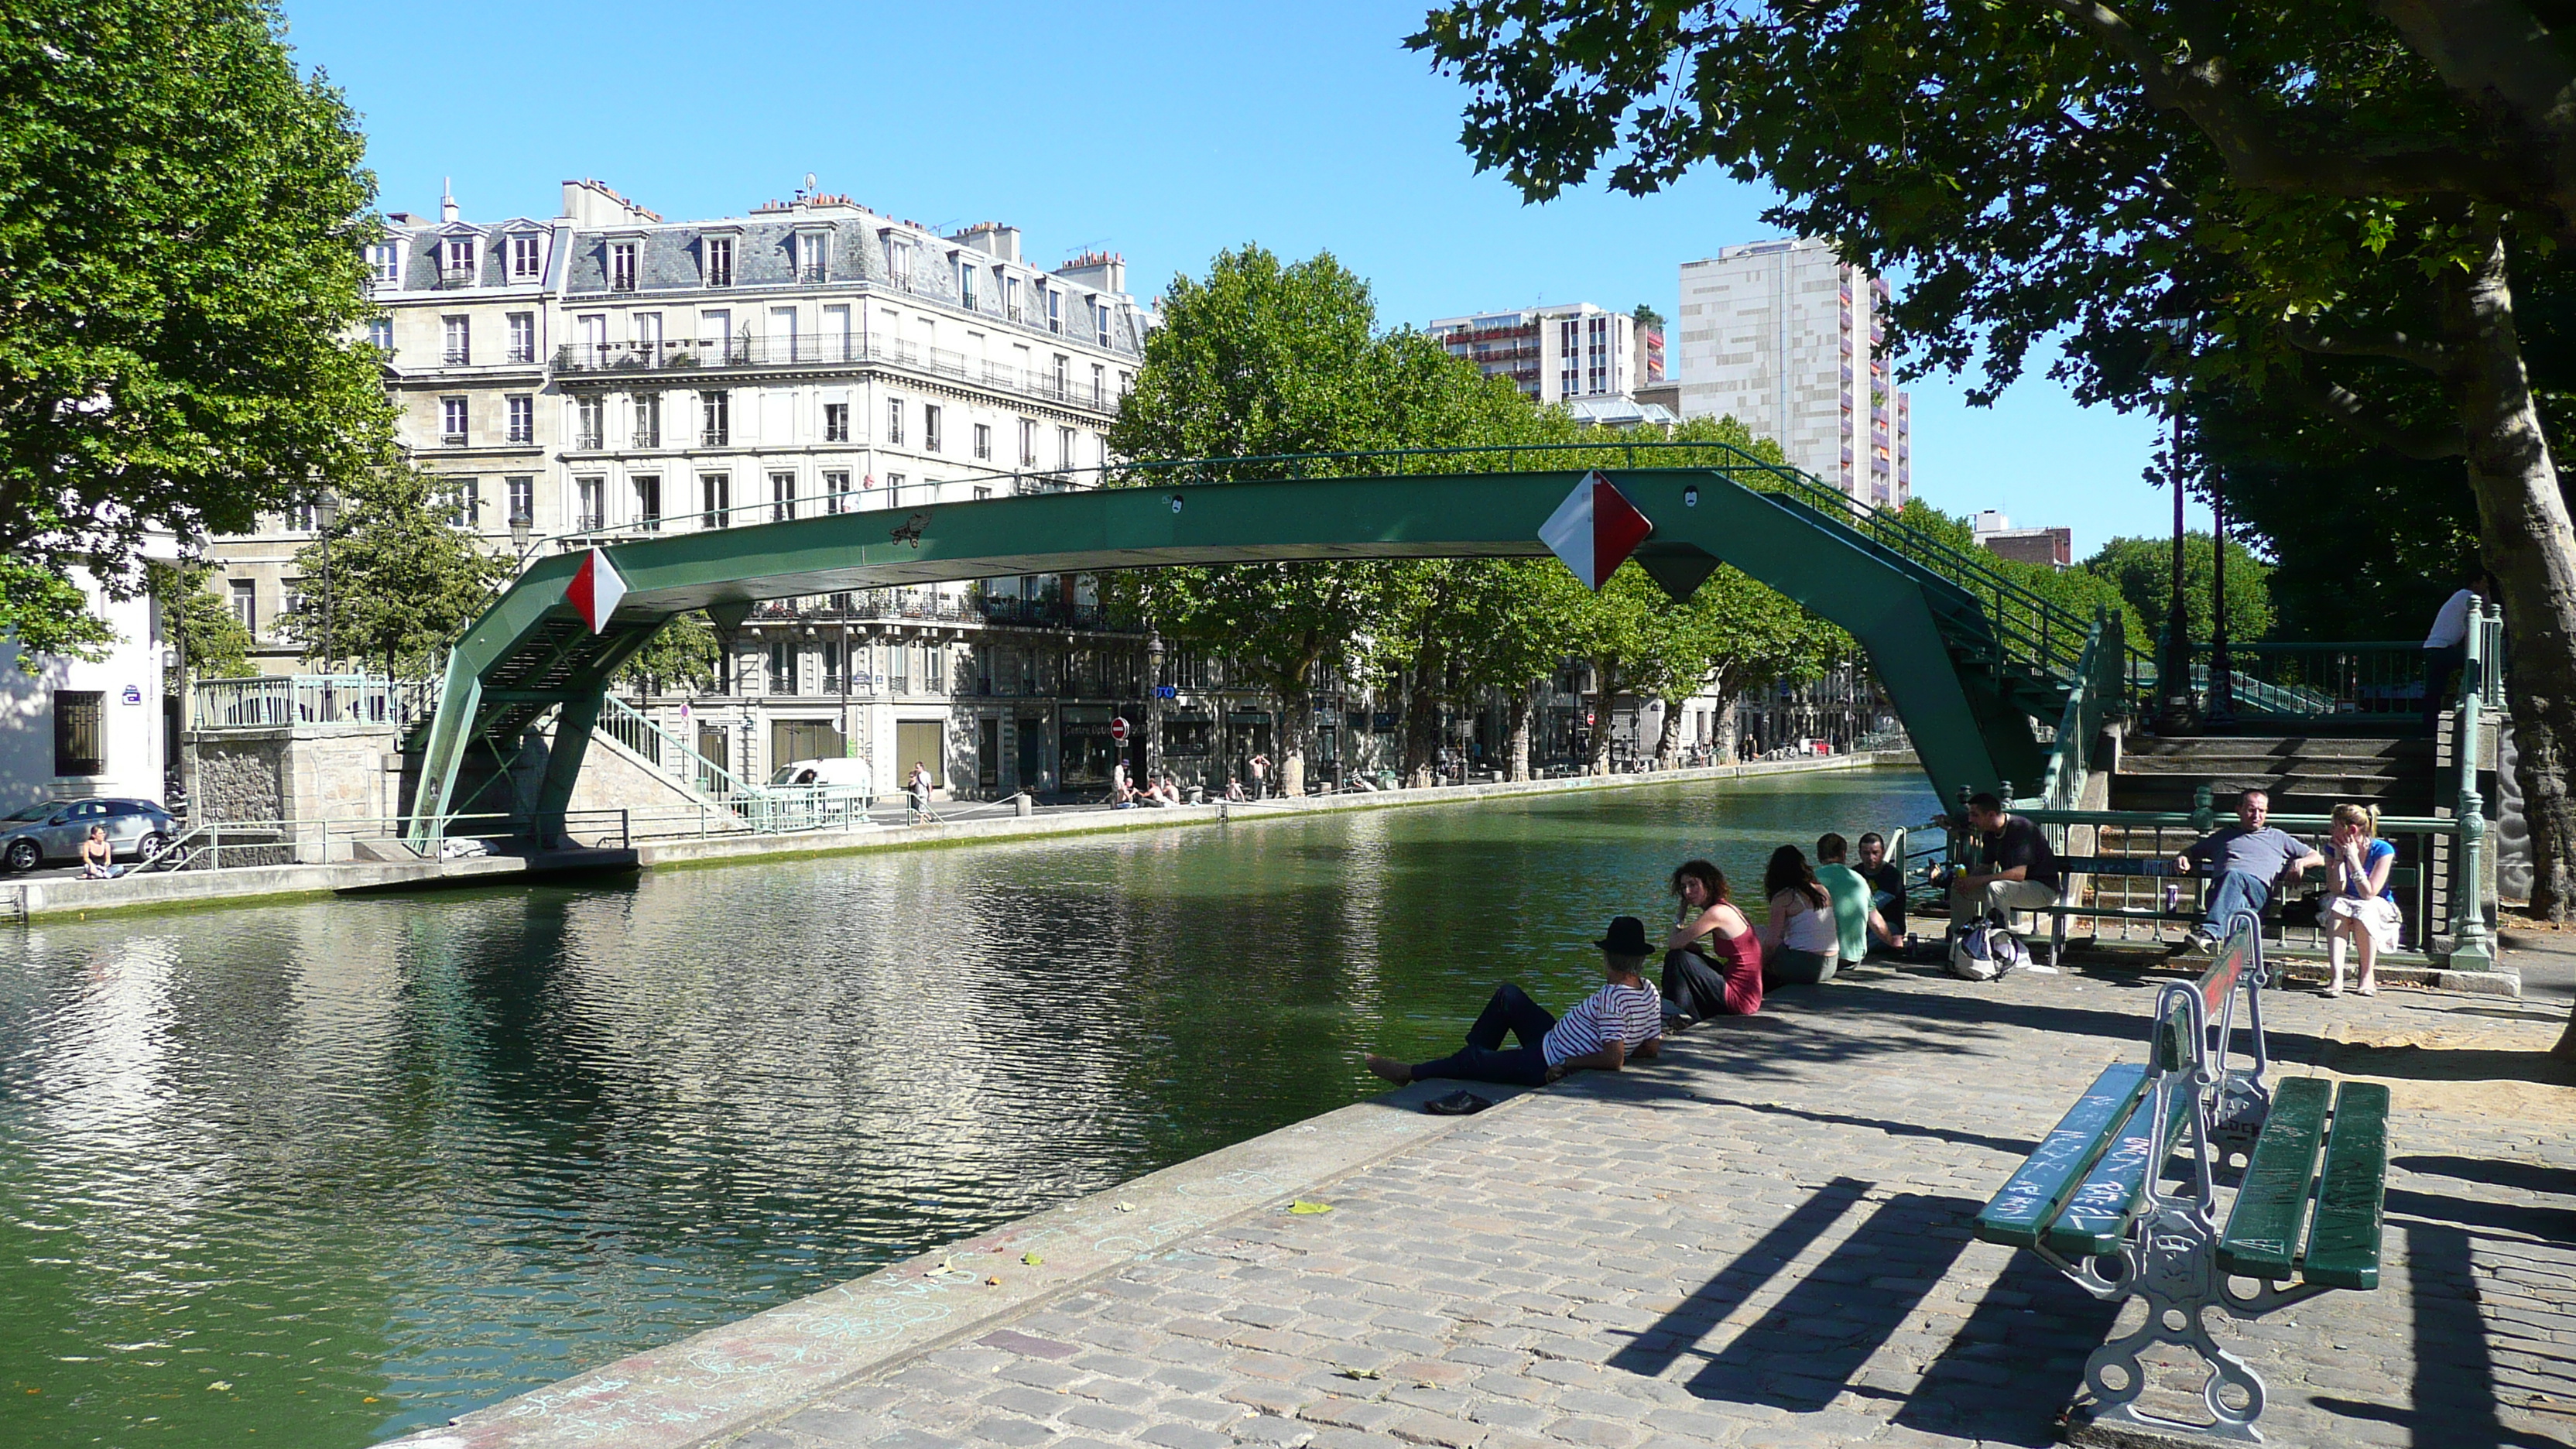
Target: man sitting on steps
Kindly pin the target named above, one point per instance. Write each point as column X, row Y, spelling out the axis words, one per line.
column 2245, row 859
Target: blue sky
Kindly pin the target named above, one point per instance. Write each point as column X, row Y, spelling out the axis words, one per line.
column 1164, row 132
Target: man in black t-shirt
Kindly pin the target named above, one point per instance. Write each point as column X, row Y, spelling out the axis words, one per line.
column 2018, row 870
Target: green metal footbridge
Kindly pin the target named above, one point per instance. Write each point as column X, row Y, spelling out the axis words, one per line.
column 1996, row 685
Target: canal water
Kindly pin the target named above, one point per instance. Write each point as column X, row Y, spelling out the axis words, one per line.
column 319, row 1174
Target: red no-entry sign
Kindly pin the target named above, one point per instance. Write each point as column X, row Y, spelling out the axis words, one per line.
column 1118, row 729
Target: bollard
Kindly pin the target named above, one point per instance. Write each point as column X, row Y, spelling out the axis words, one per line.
column 1023, row 806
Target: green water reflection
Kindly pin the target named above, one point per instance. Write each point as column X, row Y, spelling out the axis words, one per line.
column 319, row 1174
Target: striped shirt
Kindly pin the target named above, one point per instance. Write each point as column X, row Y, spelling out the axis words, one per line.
column 1630, row 1014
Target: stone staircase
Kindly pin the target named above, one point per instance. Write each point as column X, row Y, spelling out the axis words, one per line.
column 2304, row 774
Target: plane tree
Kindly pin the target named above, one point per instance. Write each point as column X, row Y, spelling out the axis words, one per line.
column 2322, row 203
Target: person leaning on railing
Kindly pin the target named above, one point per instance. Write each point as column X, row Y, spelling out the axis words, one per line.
column 2446, row 647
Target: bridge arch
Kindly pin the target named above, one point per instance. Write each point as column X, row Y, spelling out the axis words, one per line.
column 1967, row 658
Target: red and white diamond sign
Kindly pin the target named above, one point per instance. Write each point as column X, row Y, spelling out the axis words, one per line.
column 595, row 589
column 1594, row 530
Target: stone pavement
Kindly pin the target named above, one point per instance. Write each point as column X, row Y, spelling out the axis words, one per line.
column 1762, row 1240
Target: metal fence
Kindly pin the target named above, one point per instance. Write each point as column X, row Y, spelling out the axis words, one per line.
column 277, row 701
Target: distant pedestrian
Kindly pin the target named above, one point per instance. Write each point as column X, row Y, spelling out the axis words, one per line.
column 916, row 792
column 1712, row 958
column 1624, row 1019
column 1259, row 769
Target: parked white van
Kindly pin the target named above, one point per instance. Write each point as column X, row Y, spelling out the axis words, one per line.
column 838, row 778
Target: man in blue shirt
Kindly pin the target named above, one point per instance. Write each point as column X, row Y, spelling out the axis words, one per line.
column 2244, row 861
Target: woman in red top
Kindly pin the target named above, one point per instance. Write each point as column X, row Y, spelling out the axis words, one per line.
column 1712, row 959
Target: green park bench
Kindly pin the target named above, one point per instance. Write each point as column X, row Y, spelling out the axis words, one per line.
column 2186, row 907
column 2095, row 1202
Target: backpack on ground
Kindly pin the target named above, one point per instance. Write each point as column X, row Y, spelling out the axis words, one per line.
column 1986, row 951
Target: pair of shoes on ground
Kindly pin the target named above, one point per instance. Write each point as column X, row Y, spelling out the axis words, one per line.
column 2336, row 989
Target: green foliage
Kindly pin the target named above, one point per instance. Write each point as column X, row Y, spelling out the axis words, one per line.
column 681, row 655
column 44, row 612
column 2077, row 591
column 214, row 643
column 2142, row 570
column 392, row 581
column 180, row 225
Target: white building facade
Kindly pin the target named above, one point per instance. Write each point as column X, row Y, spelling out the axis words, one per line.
column 81, row 728
column 606, row 374
column 1573, row 353
column 1786, row 339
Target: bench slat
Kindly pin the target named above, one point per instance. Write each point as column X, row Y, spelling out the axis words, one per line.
column 2027, row 1203
column 2098, row 1213
column 2271, row 1213
column 2343, row 1249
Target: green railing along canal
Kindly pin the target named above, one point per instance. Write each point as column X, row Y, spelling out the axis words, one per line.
column 313, row 1175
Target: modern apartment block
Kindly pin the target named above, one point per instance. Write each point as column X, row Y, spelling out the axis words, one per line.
column 605, row 373
column 1577, row 354
column 2054, row 547
column 1789, row 341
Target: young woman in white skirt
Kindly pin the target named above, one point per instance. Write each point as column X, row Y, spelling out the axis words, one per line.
column 2362, row 911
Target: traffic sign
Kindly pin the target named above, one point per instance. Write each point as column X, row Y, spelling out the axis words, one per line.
column 1118, row 729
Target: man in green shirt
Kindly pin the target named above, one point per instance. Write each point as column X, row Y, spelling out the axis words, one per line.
column 1855, row 919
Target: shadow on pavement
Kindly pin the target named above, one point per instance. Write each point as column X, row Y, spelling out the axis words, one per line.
column 2528, row 1176
column 2454, row 1391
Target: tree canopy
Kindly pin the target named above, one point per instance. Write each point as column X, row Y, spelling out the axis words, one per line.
column 392, row 580
column 2320, row 205
column 181, row 216
column 2142, row 570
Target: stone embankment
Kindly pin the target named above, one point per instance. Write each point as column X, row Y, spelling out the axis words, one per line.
column 1760, row 1238
column 67, row 895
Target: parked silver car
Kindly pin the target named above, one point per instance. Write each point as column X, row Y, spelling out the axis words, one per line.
column 136, row 830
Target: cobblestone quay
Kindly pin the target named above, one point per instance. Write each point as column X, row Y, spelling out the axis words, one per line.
column 1762, row 1239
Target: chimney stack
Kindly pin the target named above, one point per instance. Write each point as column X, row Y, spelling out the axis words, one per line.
column 447, row 199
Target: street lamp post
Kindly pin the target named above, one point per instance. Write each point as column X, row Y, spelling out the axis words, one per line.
column 2222, row 672
column 2177, row 713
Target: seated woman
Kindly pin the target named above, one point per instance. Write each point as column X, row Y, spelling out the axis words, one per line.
column 2362, row 912
column 1624, row 1018
column 97, row 857
column 1712, row 958
column 1800, row 945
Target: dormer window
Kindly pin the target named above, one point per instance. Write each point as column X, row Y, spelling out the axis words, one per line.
column 813, row 255
column 1100, row 318
column 527, row 258
column 966, row 271
column 719, row 261
column 621, row 266
column 456, row 262
column 384, row 263
column 1055, row 310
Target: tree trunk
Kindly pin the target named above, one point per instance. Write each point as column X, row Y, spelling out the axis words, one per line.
column 2525, row 540
column 1422, row 717
column 1668, row 744
column 1523, row 702
column 1722, row 749
column 1296, row 726
column 1605, row 696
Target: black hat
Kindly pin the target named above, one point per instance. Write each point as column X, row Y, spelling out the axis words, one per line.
column 1627, row 937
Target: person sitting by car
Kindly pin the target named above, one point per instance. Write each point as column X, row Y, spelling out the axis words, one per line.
column 1624, row 1019
column 2243, row 861
column 2016, row 869
column 97, row 857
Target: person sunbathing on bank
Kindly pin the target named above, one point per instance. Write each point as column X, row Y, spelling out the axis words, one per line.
column 1624, row 1019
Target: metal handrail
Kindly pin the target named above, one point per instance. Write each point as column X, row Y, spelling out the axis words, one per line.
column 632, row 727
